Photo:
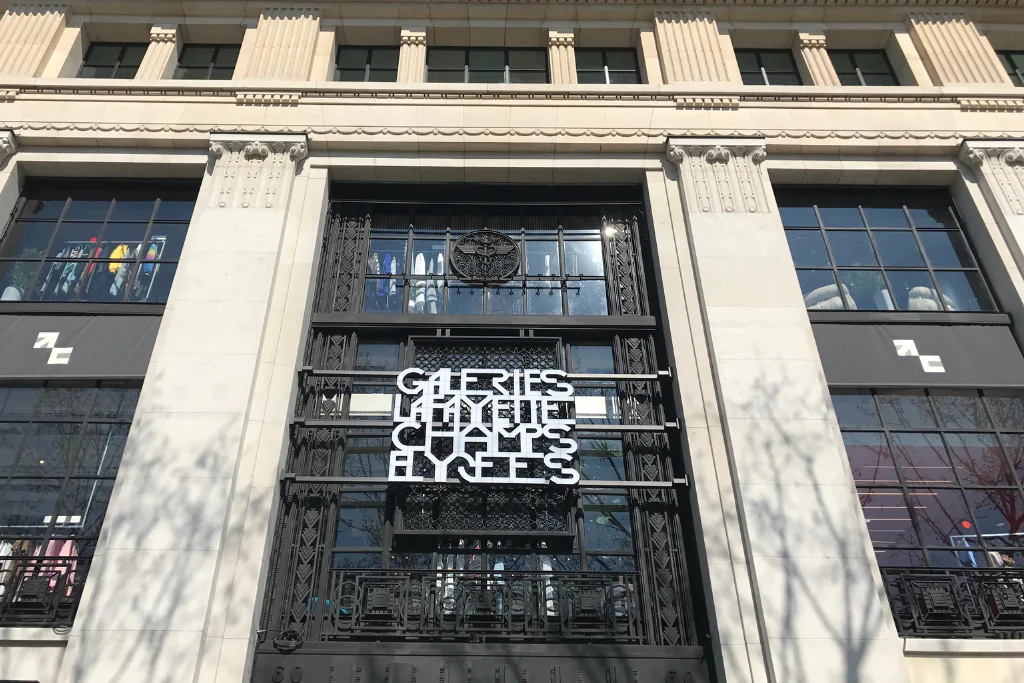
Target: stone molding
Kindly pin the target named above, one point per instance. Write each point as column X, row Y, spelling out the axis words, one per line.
column 690, row 47
column 8, row 146
column 159, row 34
column 412, row 55
column 810, row 40
column 810, row 48
column 282, row 46
column 27, row 32
column 721, row 176
column 953, row 50
column 411, row 38
column 1001, row 167
column 562, row 56
column 253, row 173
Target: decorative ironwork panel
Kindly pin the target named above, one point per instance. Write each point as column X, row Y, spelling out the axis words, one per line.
column 41, row 591
column 627, row 277
column 485, row 256
column 499, row 354
column 479, row 606
column 956, row 603
column 478, row 510
column 341, row 263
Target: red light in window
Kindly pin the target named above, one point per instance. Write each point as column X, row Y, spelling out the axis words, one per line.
column 965, row 524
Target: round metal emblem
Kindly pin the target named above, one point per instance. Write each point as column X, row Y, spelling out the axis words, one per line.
column 485, row 256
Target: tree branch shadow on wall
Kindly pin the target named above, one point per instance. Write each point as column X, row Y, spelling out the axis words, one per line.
column 815, row 585
column 162, row 615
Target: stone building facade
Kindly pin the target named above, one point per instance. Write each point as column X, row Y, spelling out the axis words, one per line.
column 777, row 249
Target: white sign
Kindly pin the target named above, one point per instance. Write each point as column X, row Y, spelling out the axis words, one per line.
column 58, row 355
column 907, row 347
column 488, row 426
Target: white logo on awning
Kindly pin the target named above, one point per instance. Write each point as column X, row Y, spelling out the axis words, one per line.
column 907, row 347
column 58, row 355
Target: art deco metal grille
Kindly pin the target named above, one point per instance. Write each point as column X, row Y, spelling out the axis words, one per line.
column 481, row 563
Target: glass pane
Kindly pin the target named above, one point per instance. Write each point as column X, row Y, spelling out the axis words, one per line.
column 880, row 79
column 820, row 290
column 784, row 79
column 807, row 248
column 1006, row 408
column 601, row 460
column 544, row 298
column 612, row 563
column 907, row 409
column 383, row 75
column 621, row 60
column 383, row 296
column 354, row 561
column 352, row 58
column 589, row 60
column 76, row 240
column 102, row 54
column 932, row 217
column 351, row 75
column 922, row 458
column 102, row 447
column 856, row 409
column 195, row 73
column 960, row 409
column 773, row 60
column 841, row 61
column 384, row 58
column 27, row 240
column 961, row 559
column 606, row 522
column 527, row 77
column 886, row 217
column 840, row 217
column 1014, row 445
column 115, row 402
column 890, row 557
column 747, row 60
column 542, row 258
column 434, row 76
column 175, row 210
column 587, row 298
column 132, row 56
column 999, row 514
column 152, row 283
column 591, row 77
column 377, row 356
column 505, row 300
column 979, row 460
column 943, row 517
column 11, row 436
column 872, row 60
column 96, row 71
column 851, row 248
column 753, row 78
column 583, row 258
column 487, row 59
column 524, row 59
column 867, row 289
column 20, row 401
column 360, row 527
column 66, row 401
column 365, row 465
column 887, row 517
column 17, row 280
column 898, row 249
column 386, row 256
column 465, row 299
column 428, row 257
column 624, row 77
column 28, row 505
column 227, row 56
column 946, row 249
column 798, row 216
column 870, row 458
column 913, row 290
column 446, row 58
column 592, row 359
column 196, row 55
column 47, row 450
column 963, row 291
column 83, row 506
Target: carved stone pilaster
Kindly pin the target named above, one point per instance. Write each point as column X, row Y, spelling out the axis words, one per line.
column 412, row 55
column 8, row 146
column 720, row 176
column 562, row 56
column 810, row 48
column 1001, row 169
column 254, row 173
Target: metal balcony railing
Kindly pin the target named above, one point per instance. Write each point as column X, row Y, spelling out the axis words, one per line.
column 41, row 591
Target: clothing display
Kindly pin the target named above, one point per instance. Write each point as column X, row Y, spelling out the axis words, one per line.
column 17, row 562
column 100, row 281
column 385, row 295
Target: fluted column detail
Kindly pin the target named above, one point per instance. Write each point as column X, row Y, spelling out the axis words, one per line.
column 412, row 58
column 281, row 46
column 953, row 50
column 810, row 48
column 254, row 173
column 562, row 56
column 162, row 54
column 28, row 34
column 690, row 47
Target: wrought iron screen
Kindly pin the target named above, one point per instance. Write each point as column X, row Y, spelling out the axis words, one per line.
column 357, row 557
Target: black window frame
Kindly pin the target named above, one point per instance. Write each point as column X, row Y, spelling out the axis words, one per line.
column 108, row 229
column 180, row 70
column 1008, row 59
column 801, row 198
column 763, row 75
column 858, row 73
column 117, row 66
column 468, row 73
column 606, row 70
column 369, row 71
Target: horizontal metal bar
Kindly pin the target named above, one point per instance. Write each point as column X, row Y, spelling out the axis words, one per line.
column 609, row 377
column 386, row 424
column 583, row 484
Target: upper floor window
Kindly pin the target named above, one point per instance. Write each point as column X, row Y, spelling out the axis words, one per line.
column 112, row 60
column 863, row 67
column 367, row 64
column 486, row 65
column 111, row 242
column 881, row 250
column 607, row 66
column 1013, row 62
column 207, row 62
column 768, row 67
column 938, row 473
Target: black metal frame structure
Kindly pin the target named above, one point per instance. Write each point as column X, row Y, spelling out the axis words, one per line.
column 478, row 572
column 939, row 478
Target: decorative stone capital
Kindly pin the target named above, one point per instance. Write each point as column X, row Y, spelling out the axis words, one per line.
column 414, row 36
column 720, row 175
column 163, row 34
column 8, row 146
column 254, row 173
column 558, row 38
column 1000, row 169
column 810, row 40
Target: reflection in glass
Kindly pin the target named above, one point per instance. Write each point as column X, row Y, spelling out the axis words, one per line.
column 1006, row 407
column 505, row 299
column 544, row 298
column 885, row 217
column 821, row 292
column 943, row 517
column 542, row 258
column 922, row 458
column 851, row 248
column 868, row 290
column 870, row 458
column 465, row 299
column 999, row 514
column 807, row 248
column 963, row 290
column 583, row 258
column 888, row 519
column 387, row 257
column 914, row 290
column 606, row 522
column 587, row 297
column 593, row 359
column 361, row 527
column 856, row 408
column 908, row 409
column 898, row 249
column 979, row 460
column 601, row 460
column 960, row 409
column 840, row 217
column 371, row 356
column 946, row 249
column 382, row 295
